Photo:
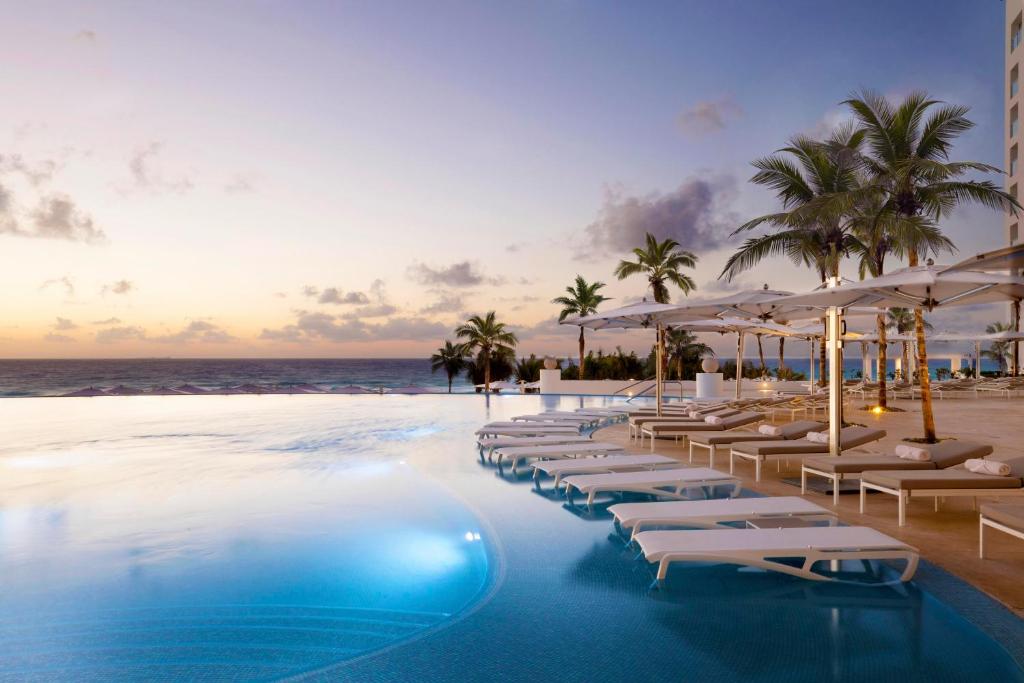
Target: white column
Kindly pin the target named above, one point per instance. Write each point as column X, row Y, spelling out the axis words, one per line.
column 865, row 362
column 657, row 374
column 977, row 360
column 739, row 364
column 835, row 377
column 810, row 372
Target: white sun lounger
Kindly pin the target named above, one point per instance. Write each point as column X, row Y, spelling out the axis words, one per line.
column 490, row 443
column 567, row 418
column 764, row 547
column 612, row 463
column 711, row 514
column 516, row 454
column 661, row 483
column 527, row 430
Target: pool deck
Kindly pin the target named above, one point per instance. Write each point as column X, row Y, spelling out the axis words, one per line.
column 948, row 538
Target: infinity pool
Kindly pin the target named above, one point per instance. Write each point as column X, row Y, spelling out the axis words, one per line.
column 359, row 538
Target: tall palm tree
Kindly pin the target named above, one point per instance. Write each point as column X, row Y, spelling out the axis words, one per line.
column 451, row 358
column 489, row 337
column 661, row 262
column 998, row 350
column 901, row 321
column 684, row 348
column 582, row 299
column 801, row 174
column 880, row 232
column 907, row 161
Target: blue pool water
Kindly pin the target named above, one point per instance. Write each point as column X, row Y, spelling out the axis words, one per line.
column 360, row 539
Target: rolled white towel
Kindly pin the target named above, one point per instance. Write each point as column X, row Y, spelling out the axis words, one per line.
column 714, row 420
column 770, row 430
column 912, row 453
column 817, row 437
column 694, row 413
column 993, row 467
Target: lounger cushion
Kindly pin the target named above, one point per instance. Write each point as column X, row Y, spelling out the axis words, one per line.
column 851, row 438
column 737, row 420
column 910, row 480
column 853, row 464
column 1005, row 513
column 953, row 452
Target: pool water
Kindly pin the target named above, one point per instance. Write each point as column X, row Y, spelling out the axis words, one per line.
column 360, row 538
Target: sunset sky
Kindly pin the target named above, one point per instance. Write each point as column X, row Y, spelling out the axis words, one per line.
column 352, row 179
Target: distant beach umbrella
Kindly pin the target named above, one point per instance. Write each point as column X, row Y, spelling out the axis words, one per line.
column 411, row 389
column 164, row 391
column 352, row 389
column 191, row 389
column 250, row 388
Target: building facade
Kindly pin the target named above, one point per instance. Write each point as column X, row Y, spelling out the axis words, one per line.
column 1014, row 58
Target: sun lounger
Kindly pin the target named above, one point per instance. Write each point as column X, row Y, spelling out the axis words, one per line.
column 712, row 440
column 943, row 454
column 1005, row 517
column 684, row 429
column 760, row 452
column 527, row 430
column 637, row 423
column 488, row 444
column 610, row 463
column 954, row 482
column 632, row 518
column 561, row 418
column 659, row 483
column 764, row 547
column 516, row 454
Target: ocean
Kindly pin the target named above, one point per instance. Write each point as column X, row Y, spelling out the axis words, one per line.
column 55, row 377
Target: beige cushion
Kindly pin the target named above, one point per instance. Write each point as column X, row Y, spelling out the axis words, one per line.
column 853, row 464
column 911, row 480
column 953, row 452
column 1008, row 514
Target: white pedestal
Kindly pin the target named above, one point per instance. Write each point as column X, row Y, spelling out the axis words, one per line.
column 550, row 381
column 710, row 385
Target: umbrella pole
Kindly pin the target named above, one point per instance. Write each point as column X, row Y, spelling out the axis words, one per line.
column 657, row 373
column 739, row 364
column 977, row 359
column 810, row 373
column 835, row 383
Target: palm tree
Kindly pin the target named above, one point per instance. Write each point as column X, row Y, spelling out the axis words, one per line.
column 451, row 358
column 582, row 300
column 489, row 337
column 901, row 321
column 661, row 263
column 908, row 167
column 880, row 233
column 801, row 174
column 1000, row 349
column 684, row 348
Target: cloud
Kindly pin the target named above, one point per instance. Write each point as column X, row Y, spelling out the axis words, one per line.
column 201, row 331
column 119, row 287
column 64, row 324
column 310, row 291
column 108, row 321
column 65, row 282
column 58, row 338
column 36, row 174
column 697, row 214
column 333, row 295
column 113, row 335
column 86, row 36
column 446, row 303
column 280, row 295
column 238, row 184
column 56, row 217
column 461, row 274
column 709, row 116
column 515, row 247
column 318, row 326
column 145, row 176
column 379, row 310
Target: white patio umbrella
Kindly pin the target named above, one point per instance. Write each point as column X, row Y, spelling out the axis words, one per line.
column 1005, row 335
column 925, row 287
column 740, row 326
column 642, row 315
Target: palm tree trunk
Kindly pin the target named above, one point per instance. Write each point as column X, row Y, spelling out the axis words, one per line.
column 760, row 354
column 782, row 353
column 927, row 413
column 583, row 345
column 1016, row 343
column 487, row 372
column 450, row 376
column 906, row 362
column 821, row 361
column 883, row 361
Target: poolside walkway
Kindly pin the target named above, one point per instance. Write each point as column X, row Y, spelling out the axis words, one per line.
column 948, row 538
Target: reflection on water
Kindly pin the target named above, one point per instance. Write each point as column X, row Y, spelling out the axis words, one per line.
column 220, row 541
